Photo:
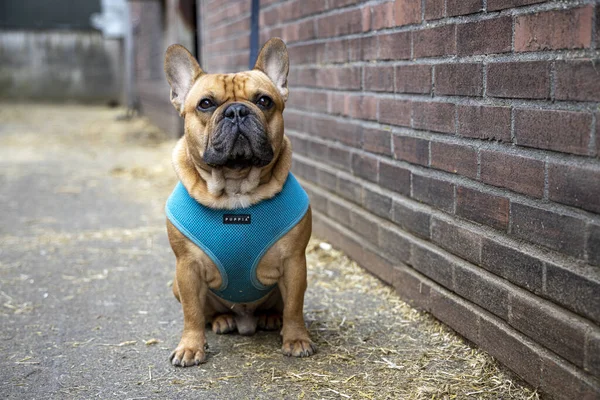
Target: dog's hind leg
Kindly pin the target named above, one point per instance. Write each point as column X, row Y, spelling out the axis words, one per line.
column 223, row 323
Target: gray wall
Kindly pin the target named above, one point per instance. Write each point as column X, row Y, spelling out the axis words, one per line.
column 60, row 66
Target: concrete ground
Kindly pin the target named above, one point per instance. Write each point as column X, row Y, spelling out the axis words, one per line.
column 86, row 310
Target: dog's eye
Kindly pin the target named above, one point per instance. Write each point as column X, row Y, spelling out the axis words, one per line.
column 265, row 102
column 205, row 104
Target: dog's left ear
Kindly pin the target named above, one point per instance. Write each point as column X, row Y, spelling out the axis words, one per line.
column 182, row 70
column 274, row 62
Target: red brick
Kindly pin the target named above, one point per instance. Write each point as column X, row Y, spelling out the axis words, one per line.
column 345, row 132
column 327, row 180
column 339, row 78
column 365, row 13
column 598, row 134
column 394, row 46
column 411, row 288
column 317, row 202
column 318, row 150
column 592, row 363
column 305, row 171
column 593, row 244
column 413, row 79
column 377, row 203
column 411, row 149
column 483, row 122
column 577, row 80
column 564, row 131
column 338, row 212
column 477, row 286
column 433, row 42
column 521, row 174
column 494, row 5
column 394, row 178
column 377, row 141
column 366, row 227
column 511, row 349
column 434, row 9
column 455, row 314
column 575, row 185
column 459, row 79
column 550, row 326
column 597, row 27
column 394, row 244
column 365, row 167
column 484, row 37
column 337, row 51
column 554, row 30
column 574, row 290
column 303, row 77
column 349, row 190
column 333, row 4
column 565, row 382
column 377, row 265
column 362, row 107
column 308, row 100
column 394, row 112
column 337, row 104
column 407, row 12
column 462, row 7
column 512, row 265
column 412, row 220
column 367, row 50
column 269, row 17
column 339, row 24
column 557, row 232
column 379, row 79
column 528, row 80
column 299, row 145
column 382, row 15
column 464, row 243
column 433, row 264
column 483, row 208
column 435, row 192
column 293, row 32
column 307, row 53
column 438, row 117
column 455, row 158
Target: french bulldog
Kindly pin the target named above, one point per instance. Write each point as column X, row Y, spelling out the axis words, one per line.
column 238, row 221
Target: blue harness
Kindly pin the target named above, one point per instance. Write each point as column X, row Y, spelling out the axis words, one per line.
column 237, row 239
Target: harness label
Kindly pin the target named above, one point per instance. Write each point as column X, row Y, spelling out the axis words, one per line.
column 237, row 219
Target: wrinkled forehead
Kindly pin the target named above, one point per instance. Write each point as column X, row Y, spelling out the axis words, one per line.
column 232, row 87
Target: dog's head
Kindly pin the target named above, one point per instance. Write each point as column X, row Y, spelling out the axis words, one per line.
column 232, row 121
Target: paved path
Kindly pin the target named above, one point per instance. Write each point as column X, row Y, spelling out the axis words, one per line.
column 86, row 310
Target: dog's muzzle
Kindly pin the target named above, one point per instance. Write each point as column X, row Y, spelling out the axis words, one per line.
column 239, row 140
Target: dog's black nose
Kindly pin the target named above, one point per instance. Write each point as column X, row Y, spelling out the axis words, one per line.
column 236, row 111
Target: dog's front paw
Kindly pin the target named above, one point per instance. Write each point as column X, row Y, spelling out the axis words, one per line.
column 189, row 352
column 298, row 348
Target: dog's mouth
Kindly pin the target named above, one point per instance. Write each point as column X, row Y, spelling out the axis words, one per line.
column 239, row 144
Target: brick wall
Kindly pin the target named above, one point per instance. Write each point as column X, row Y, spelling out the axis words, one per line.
column 225, row 35
column 451, row 148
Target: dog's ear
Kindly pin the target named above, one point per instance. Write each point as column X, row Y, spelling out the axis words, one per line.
column 274, row 62
column 182, row 70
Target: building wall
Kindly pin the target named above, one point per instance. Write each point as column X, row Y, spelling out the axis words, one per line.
column 58, row 65
column 225, row 35
column 451, row 148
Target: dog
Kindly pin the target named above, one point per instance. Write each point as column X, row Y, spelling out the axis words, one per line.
column 238, row 221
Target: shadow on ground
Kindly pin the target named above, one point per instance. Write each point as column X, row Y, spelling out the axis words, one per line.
column 86, row 310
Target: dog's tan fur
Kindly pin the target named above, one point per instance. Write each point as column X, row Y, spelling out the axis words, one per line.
column 284, row 263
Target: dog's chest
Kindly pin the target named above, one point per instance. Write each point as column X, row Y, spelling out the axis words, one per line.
column 236, row 240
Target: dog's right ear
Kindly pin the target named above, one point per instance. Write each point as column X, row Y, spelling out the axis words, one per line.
column 182, row 70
